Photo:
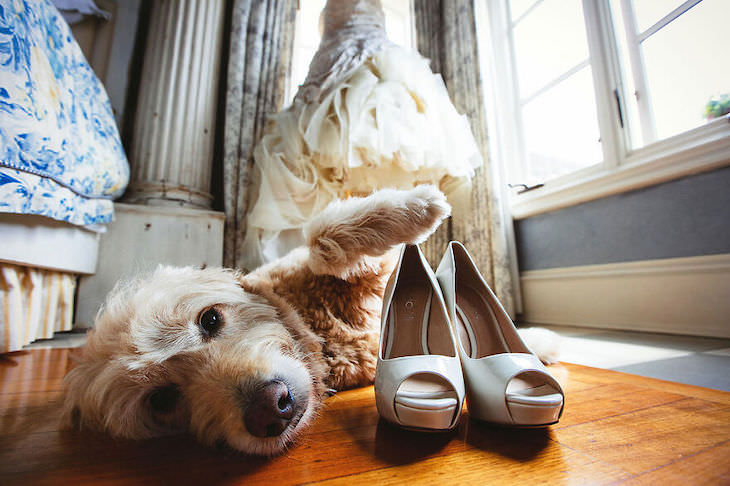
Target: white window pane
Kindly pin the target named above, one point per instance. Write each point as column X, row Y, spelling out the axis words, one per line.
column 308, row 22
column 549, row 41
column 398, row 26
column 649, row 12
column 518, row 7
column 561, row 129
column 306, row 41
column 687, row 63
column 398, row 21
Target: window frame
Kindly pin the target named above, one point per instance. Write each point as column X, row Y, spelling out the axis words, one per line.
column 700, row 149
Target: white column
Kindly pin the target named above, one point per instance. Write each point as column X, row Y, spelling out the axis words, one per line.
column 172, row 145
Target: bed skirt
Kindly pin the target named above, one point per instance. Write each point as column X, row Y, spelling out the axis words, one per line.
column 34, row 304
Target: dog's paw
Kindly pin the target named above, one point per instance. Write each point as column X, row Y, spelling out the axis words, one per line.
column 345, row 237
column 429, row 206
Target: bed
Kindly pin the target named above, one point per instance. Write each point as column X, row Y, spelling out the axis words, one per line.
column 61, row 166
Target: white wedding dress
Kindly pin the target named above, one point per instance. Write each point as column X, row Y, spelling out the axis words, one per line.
column 370, row 114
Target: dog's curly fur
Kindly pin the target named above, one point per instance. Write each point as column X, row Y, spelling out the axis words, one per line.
column 310, row 320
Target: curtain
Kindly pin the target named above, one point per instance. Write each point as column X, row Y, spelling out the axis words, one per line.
column 262, row 36
column 446, row 34
column 34, row 304
column 261, row 42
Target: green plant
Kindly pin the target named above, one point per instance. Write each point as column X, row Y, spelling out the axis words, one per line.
column 718, row 106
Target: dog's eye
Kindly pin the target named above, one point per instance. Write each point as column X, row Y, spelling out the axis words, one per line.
column 210, row 323
column 164, row 399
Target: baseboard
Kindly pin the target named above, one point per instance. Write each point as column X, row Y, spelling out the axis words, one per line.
column 676, row 295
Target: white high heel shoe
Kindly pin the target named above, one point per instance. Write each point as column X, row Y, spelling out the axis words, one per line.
column 418, row 379
column 505, row 382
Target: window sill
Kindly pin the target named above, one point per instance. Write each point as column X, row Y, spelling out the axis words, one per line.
column 702, row 149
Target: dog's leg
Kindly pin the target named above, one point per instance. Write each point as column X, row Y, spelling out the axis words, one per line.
column 346, row 236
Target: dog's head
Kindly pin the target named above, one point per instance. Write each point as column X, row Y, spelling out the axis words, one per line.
column 191, row 350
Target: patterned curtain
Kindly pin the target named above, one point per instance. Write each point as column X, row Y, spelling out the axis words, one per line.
column 446, row 34
column 262, row 36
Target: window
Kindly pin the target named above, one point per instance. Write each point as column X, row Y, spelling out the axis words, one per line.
column 669, row 63
column 398, row 25
column 593, row 97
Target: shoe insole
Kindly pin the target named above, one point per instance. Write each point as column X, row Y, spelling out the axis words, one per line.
column 477, row 324
column 425, row 385
column 416, row 324
column 405, row 319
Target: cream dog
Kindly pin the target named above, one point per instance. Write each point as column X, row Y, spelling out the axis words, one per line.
column 248, row 359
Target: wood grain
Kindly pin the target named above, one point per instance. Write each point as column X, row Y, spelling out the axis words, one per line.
column 616, row 428
column 651, row 437
column 485, row 467
column 711, row 466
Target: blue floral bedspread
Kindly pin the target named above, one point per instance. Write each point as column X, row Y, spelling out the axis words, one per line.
column 60, row 152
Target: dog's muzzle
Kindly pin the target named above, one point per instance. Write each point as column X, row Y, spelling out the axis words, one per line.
column 270, row 410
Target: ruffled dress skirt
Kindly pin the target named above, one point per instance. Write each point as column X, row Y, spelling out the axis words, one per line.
column 390, row 123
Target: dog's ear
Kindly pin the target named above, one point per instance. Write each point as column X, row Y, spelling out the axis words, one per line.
column 75, row 419
column 164, row 399
column 166, row 407
column 71, row 416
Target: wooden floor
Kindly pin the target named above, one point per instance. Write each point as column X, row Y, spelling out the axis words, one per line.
column 617, row 428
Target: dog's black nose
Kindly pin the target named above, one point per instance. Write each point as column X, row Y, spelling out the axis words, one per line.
column 270, row 410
